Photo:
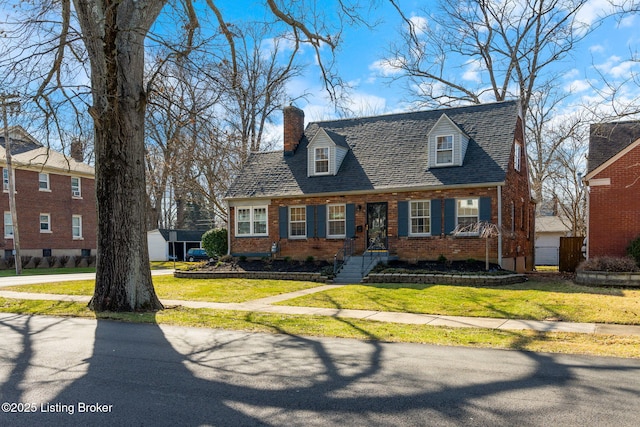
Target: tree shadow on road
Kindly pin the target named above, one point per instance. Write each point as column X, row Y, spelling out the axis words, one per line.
column 147, row 374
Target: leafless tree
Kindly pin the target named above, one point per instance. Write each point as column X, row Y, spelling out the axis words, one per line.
column 472, row 52
column 109, row 37
column 566, row 182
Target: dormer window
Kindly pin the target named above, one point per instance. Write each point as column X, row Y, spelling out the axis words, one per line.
column 447, row 144
column 321, row 160
column 444, row 150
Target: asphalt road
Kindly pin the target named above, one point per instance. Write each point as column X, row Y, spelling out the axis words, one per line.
column 91, row 373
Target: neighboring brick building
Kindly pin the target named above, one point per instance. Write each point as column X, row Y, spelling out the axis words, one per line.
column 613, row 178
column 55, row 200
column 399, row 183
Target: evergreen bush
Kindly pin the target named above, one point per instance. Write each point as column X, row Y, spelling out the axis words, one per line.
column 214, row 242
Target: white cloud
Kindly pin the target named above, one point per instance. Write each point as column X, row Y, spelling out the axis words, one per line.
column 387, row 67
column 571, row 74
column 578, row 86
column 592, row 11
column 627, row 22
column 472, row 71
column 420, row 24
column 596, row 48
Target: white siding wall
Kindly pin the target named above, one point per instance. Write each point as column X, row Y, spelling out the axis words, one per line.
column 158, row 248
column 336, row 153
column 445, row 127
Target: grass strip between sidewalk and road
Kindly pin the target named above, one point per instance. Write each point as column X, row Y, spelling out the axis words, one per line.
column 552, row 342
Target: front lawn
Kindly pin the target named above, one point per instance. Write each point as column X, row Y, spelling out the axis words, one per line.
column 558, row 300
column 169, row 287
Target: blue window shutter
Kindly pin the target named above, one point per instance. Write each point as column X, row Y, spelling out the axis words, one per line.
column 485, row 209
column 321, row 220
column 311, row 221
column 449, row 215
column 403, row 218
column 350, row 225
column 283, row 221
column 436, row 217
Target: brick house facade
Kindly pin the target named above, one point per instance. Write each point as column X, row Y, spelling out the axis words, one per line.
column 613, row 178
column 399, row 183
column 55, row 201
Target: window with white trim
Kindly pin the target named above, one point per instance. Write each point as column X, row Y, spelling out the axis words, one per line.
column 43, row 182
column 517, row 154
column 297, row 222
column 420, row 218
column 76, row 227
column 444, row 150
column 45, row 223
column 337, row 221
column 321, row 160
column 8, row 225
column 251, row 221
column 76, row 189
column 5, row 180
column 468, row 211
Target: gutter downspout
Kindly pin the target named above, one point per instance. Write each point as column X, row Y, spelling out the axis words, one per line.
column 228, row 228
column 499, row 188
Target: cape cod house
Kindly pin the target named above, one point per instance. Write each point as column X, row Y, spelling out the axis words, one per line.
column 613, row 177
column 399, row 183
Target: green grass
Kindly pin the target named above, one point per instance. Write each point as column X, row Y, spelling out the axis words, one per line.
column 561, row 300
column 169, row 287
column 591, row 344
column 43, row 271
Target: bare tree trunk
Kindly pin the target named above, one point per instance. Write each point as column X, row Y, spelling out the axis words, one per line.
column 114, row 36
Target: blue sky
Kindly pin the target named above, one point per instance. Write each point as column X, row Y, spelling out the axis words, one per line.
column 606, row 50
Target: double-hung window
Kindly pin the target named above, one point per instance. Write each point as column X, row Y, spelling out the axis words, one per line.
column 298, row 222
column 76, row 190
column 8, row 225
column 321, row 160
column 76, row 227
column 5, row 180
column 420, row 218
column 251, row 221
column 468, row 213
column 444, row 150
column 45, row 223
column 43, row 182
column 336, row 218
column 517, row 154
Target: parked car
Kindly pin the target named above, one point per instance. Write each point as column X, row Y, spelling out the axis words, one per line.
column 195, row 254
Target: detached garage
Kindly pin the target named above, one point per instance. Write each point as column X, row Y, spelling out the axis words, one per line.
column 161, row 248
column 549, row 229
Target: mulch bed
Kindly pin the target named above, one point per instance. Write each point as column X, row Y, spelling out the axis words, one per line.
column 283, row 266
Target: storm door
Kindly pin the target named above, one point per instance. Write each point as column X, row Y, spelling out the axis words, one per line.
column 377, row 226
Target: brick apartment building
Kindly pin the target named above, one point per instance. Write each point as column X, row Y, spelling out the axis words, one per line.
column 613, row 178
column 55, row 200
column 399, row 183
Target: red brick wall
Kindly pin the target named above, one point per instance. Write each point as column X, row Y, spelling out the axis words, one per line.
column 408, row 248
column 519, row 221
column 614, row 210
column 60, row 205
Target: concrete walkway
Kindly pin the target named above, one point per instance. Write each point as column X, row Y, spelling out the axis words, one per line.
column 265, row 305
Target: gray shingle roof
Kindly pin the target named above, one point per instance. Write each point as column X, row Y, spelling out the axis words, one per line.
column 388, row 152
column 608, row 139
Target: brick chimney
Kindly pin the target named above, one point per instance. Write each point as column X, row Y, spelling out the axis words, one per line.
column 77, row 151
column 293, row 128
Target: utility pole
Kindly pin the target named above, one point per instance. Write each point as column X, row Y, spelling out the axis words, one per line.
column 9, row 102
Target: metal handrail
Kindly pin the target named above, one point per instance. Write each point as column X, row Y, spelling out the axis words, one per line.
column 373, row 255
column 346, row 251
